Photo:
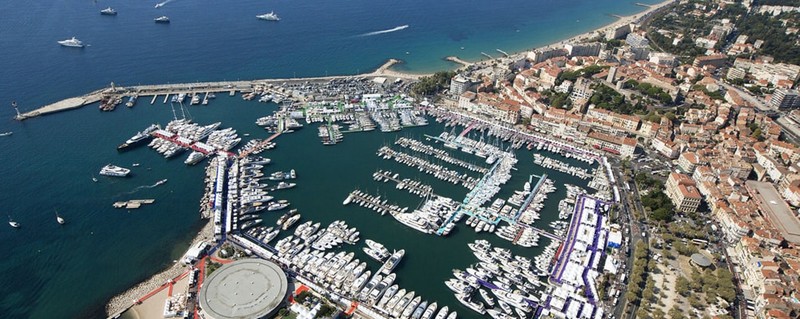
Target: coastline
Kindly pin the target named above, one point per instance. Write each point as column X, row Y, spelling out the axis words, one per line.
column 128, row 298
column 621, row 20
column 385, row 70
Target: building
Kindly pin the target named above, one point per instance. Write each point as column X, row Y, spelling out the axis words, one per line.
column 540, row 55
column 459, row 85
column 582, row 90
column 736, row 73
column 584, row 49
column 637, row 40
column 682, row 190
column 622, row 146
column 664, row 59
column 716, row 60
column 775, row 210
column 612, row 74
column 618, row 32
column 785, row 99
column 688, row 161
column 247, row 288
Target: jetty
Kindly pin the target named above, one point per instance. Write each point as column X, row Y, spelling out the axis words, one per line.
column 458, row 60
column 133, row 203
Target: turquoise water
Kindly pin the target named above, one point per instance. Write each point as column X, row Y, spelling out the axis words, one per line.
column 73, row 270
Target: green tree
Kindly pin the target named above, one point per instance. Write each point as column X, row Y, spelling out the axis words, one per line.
column 682, row 286
column 429, row 85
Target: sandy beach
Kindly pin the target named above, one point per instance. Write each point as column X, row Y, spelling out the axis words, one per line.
column 621, row 20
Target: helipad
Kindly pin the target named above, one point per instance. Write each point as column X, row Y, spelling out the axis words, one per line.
column 249, row 288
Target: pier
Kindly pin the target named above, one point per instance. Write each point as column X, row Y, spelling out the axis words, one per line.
column 374, row 202
column 503, row 52
column 420, row 147
column 487, row 55
column 412, row 186
column 261, row 144
column 528, row 200
column 437, row 171
column 190, row 88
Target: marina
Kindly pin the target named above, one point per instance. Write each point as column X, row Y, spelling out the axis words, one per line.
column 241, row 205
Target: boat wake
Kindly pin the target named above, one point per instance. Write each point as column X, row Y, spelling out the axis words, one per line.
column 395, row 29
column 161, row 4
column 143, row 187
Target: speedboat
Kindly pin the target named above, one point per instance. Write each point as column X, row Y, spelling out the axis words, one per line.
column 108, row 12
column 12, row 223
column 269, row 16
column 72, row 43
column 60, row 219
column 162, row 19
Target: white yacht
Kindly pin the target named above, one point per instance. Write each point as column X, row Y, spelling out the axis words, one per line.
column 115, row 171
column 72, row 43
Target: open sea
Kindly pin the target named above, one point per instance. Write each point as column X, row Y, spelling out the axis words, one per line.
column 70, row 271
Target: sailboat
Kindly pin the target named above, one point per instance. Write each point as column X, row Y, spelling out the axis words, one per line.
column 60, row 219
column 12, row 222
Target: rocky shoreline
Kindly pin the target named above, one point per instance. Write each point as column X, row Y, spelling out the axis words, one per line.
column 123, row 301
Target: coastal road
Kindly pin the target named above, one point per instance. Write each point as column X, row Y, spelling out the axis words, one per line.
column 629, row 201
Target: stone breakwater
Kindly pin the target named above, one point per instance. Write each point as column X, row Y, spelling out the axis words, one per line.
column 122, row 302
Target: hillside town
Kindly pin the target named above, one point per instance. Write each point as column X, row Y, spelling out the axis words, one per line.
column 698, row 101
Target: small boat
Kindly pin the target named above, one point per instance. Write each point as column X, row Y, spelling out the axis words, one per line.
column 6, row 134
column 108, row 12
column 94, row 179
column 162, row 19
column 135, row 164
column 12, row 223
column 60, row 219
